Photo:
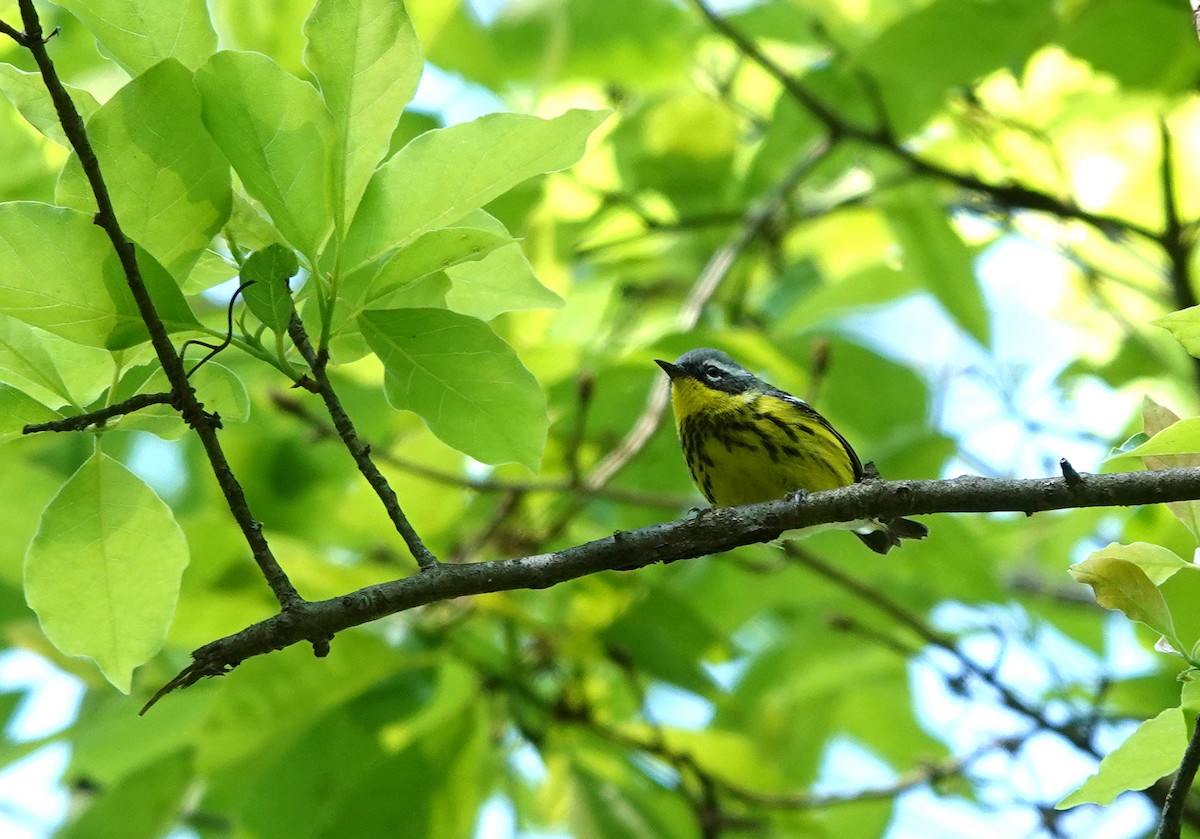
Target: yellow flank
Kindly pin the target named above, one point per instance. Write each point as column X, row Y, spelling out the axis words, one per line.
column 754, row 446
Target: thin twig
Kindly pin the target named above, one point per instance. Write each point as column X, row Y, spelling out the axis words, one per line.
column 13, row 33
column 288, row 404
column 183, row 395
column 101, row 416
column 1174, row 240
column 1176, row 801
column 1006, row 195
column 317, row 362
column 710, row 279
column 1072, row 731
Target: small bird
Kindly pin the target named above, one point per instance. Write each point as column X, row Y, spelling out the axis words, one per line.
column 746, row 441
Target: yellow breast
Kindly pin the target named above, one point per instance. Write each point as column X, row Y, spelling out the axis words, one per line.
column 748, row 447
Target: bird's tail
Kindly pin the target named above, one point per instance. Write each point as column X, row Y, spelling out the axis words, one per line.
column 888, row 534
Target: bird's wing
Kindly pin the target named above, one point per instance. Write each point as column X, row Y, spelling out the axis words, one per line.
column 809, row 411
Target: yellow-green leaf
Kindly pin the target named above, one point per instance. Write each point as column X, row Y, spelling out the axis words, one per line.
column 103, row 571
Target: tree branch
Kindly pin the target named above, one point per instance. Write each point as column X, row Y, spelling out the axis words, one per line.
column 286, row 403
column 710, row 279
column 1175, row 240
column 711, row 531
column 1007, row 195
column 1176, row 801
column 100, row 417
column 317, row 362
column 1072, row 731
column 183, row 395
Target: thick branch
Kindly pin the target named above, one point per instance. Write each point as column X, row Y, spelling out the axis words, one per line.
column 183, row 396
column 1015, row 196
column 359, row 450
column 82, row 421
column 712, row 531
column 1176, row 800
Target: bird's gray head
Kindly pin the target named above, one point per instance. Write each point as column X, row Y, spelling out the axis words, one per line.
column 711, row 368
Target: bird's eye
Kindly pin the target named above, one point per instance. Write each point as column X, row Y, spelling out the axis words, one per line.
column 712, row 372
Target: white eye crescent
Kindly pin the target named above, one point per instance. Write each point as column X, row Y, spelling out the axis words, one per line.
column 712, row 372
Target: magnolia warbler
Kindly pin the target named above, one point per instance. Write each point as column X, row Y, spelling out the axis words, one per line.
column 746, row 441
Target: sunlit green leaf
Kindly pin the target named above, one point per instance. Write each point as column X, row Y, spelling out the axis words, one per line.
column 270, row 297
column 1155, row 418
column 103, row 570
column 168, row 181
column 140, row 33
column 374, row 286
column 1151, row 752
column 442, row 175
column 52, row 370
column 367, row 61
column 1182, row 438
column 1123, row 586
column 463, row 380
column 275, row 131
column 502, row 281
column 934, row 253
column 77, row 288
column 27, row 93
column 1158, row 563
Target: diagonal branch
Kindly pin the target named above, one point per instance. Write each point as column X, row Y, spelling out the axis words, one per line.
column 182, row 394
column 360, row 451
column 712, row 531
column 1070, row 730
column 1007, row 195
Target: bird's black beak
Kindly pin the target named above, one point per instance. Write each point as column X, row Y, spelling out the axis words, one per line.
column 670, row 369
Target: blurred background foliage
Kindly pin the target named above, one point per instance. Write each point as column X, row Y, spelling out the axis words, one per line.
column 955, row 257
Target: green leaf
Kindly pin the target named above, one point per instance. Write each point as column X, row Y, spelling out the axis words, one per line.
column 1181, row 438
column 52, row 370
column 502, row 281
column 1158, row 563
column 463, row 380
column 1122, row 586
column 1155, row 418
column 1181, row 593
column 103, row 571
column 281, row 694
column 77, row 288
column 140, row 33
column 27, row 93
column 367, row 61
column 117, row 744
column 275, row 131
column 17, row 409
column 270, row 298
column 949, row 44
column 1152, row 751
column 143, row 806
column 442, row 175
column 1185, row 326
column 376, row 285
column 934, row 252
column 168, row 181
